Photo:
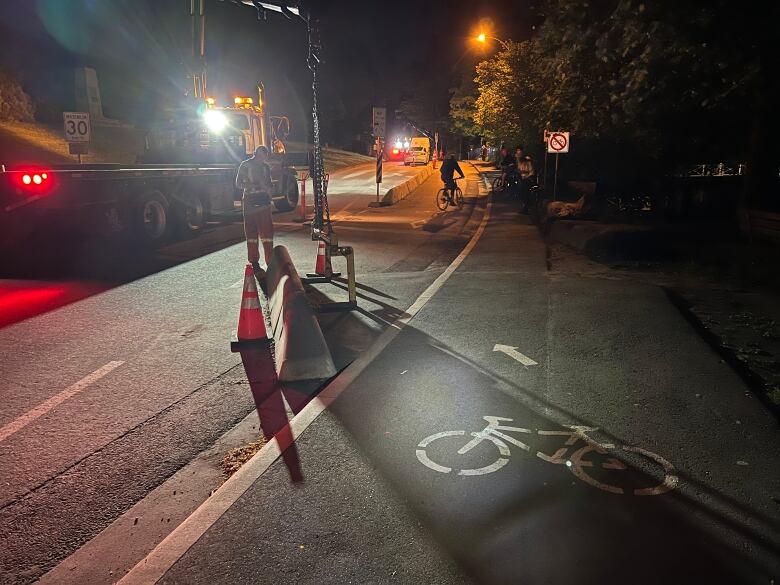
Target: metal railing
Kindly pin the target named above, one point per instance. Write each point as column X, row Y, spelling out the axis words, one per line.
column 714, row 170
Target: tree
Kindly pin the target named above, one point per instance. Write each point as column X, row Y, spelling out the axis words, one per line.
column 630, row 77
column 506, row 107
column 15, row 104
column 463, row 107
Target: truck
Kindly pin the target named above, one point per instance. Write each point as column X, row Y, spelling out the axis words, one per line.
column 184, row 178
column 419, row 151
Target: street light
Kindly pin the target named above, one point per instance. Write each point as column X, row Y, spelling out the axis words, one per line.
column 482, row 38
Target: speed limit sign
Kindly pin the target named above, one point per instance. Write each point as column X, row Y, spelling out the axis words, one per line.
column 77, row 128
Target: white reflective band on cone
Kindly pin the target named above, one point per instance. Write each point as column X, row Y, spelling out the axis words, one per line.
column 250, row 304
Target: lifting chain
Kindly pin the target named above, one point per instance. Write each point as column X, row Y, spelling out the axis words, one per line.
column 321, row 220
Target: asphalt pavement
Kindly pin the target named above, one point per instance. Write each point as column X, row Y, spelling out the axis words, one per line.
column 107, row 395
column 520, row 427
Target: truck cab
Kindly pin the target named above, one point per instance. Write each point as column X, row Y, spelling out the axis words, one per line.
column 203, row 132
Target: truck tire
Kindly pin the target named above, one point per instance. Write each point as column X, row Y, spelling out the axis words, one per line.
column 290, row 199
column 189, row 215
column 149, row 218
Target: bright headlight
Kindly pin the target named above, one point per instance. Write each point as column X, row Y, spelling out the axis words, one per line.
column 215, row 120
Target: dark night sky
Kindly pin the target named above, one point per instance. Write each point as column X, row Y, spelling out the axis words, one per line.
column 376, row 53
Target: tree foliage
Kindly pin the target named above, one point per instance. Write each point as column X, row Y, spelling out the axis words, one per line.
column 15, row 104
column 625, row 72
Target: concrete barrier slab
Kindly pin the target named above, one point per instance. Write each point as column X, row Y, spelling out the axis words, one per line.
column 300, row 349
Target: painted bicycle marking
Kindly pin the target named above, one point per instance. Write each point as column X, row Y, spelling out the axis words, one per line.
column 577, row 442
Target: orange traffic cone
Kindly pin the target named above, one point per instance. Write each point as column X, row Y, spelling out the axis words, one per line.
column 251, row 322
column 323, row 271
column 319, row 265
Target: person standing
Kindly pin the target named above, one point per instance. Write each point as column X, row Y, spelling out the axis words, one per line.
column 527, row 172
column 254, row 178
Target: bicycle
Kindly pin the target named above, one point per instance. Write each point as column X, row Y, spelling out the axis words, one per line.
column 444, row 198
column 496, row 434
column 499, row 183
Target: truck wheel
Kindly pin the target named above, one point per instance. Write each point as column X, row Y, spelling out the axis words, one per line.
column 189, row 215
column 150, row 217
column 290, row 199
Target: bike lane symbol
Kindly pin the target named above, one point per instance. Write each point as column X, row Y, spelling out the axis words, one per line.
column 496, row 433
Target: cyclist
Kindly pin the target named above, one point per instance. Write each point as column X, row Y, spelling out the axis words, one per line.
column 448, row 168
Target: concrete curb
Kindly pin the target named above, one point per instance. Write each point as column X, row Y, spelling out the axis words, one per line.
column 402, row 191
column 300, row 349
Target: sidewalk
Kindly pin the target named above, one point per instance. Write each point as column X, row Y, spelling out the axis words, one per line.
column 730, row 289
column 611, row 355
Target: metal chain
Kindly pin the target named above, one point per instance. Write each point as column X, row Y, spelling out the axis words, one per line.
column 321, row 210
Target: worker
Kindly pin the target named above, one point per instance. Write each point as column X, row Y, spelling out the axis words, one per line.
column 254, row 178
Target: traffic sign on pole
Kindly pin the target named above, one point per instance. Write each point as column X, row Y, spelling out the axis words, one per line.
column 77, row 127
column 558, row 143
column 77, row 132
column 379, row 118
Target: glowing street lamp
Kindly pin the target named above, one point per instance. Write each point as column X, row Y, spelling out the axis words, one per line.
column 482, row 38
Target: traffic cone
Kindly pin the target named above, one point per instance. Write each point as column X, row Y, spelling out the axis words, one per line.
column 319, row 265
column 251, row 322
column 323, row 271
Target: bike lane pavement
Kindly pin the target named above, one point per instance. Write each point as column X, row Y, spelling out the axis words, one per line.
column 378, row 503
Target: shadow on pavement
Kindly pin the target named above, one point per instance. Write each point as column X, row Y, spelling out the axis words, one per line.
column 534, row 518
column 57, row 268
column 543, row 518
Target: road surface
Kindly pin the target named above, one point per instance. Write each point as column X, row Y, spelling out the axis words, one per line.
column 106, row 397
column 601, row 440
column 622, row 449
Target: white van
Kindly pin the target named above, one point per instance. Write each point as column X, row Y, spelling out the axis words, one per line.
column 419, row 151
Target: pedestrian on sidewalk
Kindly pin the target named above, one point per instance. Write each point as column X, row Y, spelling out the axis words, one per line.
column 527, row 173
column 254, row 178
column 484, row 151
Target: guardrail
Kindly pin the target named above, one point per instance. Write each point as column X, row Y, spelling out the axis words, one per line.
column 714, row 170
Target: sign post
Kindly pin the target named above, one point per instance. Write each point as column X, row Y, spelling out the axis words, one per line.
column 78, row 132
column 557, row 144
column 379, row 153
column 546, row 141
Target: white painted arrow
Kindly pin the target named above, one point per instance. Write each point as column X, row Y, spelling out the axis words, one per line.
column 514, row 354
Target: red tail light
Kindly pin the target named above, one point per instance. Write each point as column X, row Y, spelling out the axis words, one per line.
column 395, row 151
column 34, row 180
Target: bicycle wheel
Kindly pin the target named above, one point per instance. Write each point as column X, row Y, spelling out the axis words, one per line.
column 501, row 460
column 498, row 185
column 662, row 478
column 442, row 199
column 458, row 198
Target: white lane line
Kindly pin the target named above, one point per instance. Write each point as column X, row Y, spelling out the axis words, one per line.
column 355, row 174
column 69, row 392
column 152, row 568
column 237, row 284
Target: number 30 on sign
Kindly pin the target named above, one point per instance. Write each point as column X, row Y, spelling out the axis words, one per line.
column 77, row 127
